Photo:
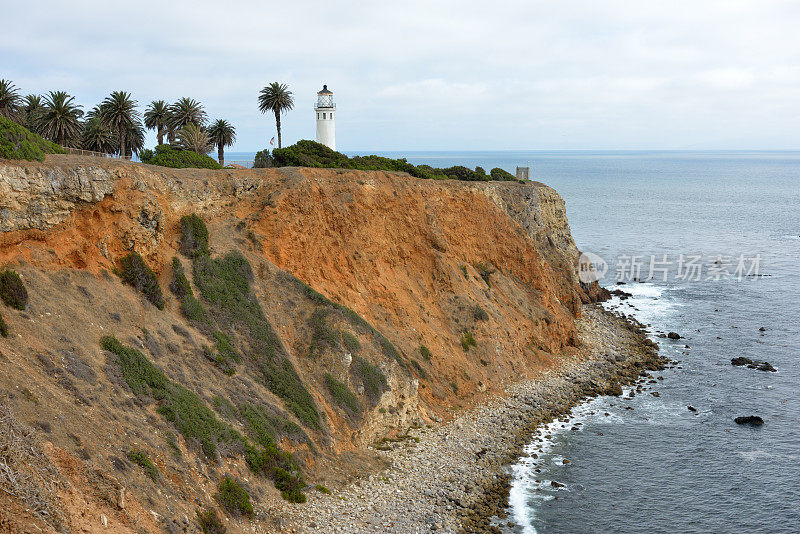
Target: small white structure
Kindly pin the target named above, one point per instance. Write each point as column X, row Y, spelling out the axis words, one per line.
column 326, row 128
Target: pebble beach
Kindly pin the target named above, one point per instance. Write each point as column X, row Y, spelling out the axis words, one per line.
column 455, row 477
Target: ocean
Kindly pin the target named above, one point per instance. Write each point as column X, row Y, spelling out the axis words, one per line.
column 714, row 240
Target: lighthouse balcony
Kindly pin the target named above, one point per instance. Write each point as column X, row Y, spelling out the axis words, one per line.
column 330, row 105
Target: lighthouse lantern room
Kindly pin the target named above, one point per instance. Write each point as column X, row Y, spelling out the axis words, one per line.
column 325, row 108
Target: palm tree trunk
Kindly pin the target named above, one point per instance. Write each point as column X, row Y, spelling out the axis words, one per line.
column 221, row 155
column 160, row 135
column 278, row 124
column 122, row 151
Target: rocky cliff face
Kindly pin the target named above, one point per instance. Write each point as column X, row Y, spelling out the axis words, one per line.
column 449, row 289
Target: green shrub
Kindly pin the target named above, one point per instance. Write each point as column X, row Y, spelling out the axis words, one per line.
column 168, row 156
column 194, row 236
column 464, row 270
column 233, row 498
column 140, row 458
column 467, row 341
column 177, row 404
column 180, row 285
column 210, row 522
column 135, row 272
column 312, row 154
column 321, row 333
column 351, row 342
column 225, row 348
column 290, row 484
column 389, row 349
column 263, row 160
column 480, row 314
column 265, row 426
column 344, row 397
column 426, row 353
column 12, row 290
column 323, row 489
column 3, row 327
column 193, row 309
column 422, row 372
column 17, row 142
column 485, row 272
column 372, row 378
column 225, row 284
column 499, row 174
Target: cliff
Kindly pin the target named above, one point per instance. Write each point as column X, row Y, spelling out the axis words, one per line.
column 449, row 290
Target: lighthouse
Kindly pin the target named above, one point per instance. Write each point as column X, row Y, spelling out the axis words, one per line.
column 325, row 108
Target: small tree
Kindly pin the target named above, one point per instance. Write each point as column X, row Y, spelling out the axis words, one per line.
column 222, row 134
column 276, row 97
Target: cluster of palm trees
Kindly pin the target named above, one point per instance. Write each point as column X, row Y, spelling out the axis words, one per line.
column 115, row 126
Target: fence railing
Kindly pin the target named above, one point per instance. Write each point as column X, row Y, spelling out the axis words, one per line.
column 80, row 152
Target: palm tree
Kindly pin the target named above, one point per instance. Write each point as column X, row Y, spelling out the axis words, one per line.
column 185, row 111
column 98, row 137
column 9, row 100
column 276, row 97
column 31, row 106
column 222, row 134
column 118, row 113
column 155, row 118
column 192, row 137
column 59, row 119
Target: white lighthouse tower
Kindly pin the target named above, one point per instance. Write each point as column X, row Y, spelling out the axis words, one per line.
column 326, row 128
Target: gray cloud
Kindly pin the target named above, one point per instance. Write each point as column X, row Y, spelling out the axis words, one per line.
column 439, row 75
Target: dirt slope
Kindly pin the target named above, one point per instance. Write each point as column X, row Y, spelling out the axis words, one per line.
column 406, row 263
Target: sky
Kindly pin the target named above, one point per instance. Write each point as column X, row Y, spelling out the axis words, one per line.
column 437, row 75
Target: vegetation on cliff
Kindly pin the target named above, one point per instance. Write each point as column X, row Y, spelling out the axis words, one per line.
column 17, row 142
column 169, row 156
column 12, row 290
column 312, row 154
column 199, row 424
column 136, row 273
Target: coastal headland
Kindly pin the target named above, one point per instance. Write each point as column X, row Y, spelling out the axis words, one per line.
column 276, row 347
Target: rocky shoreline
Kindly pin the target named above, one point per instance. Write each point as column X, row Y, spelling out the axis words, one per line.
column 455, row 478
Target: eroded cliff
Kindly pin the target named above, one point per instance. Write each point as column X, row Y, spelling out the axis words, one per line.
column 449, row 289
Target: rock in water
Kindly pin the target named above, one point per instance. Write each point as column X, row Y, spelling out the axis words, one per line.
column 766, row 366
column 762, row 329
column 752, row 420
column 674, row 335
column 692, row 408
column 741, row 360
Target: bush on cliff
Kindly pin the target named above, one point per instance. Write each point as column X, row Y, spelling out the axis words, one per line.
column 372, row 378
column 135, row 272
column 194, row 236
column 263, row 160
column 3, row 327
column 233, row 497
column 12, row 290
column 210, row 522
column 169, row 156
column 343, row 395
column 142, row 460
column 17, row 142
column 312, row 154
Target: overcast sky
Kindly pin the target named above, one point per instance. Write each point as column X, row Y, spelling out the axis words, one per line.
column 437, row 75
